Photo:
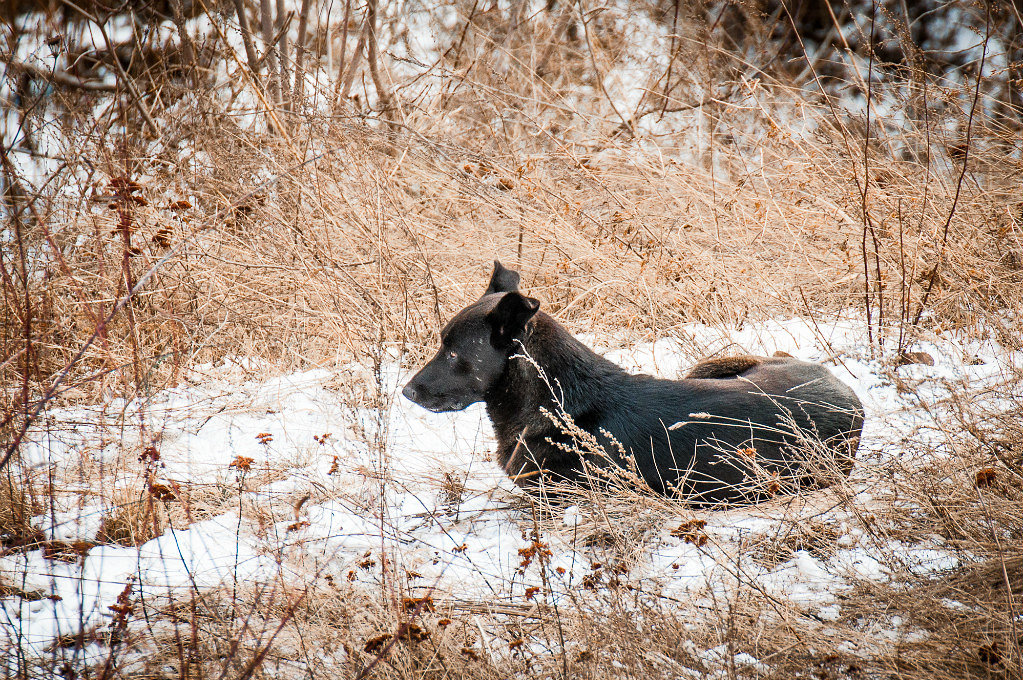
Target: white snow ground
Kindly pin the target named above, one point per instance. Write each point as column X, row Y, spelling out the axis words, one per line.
column 395, row 490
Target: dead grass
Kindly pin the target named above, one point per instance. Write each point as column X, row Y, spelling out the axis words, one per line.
column 353, row 238
column 379, row 235
column 134, row 518
column 17, row 507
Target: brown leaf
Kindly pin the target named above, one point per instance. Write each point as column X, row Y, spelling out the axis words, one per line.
column 150, row 454
column 374, row 644
column 410, row 604
column 990, row 654
column 161, row 492
column 414, row 633
column 985, row 477
column 907, row 358
column 691, row 532
column 243, row 463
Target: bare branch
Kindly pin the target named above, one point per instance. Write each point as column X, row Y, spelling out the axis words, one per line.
column 243, row 25
column 62, row 78
column 269, row 53
column 373, row 56
column 303, row 23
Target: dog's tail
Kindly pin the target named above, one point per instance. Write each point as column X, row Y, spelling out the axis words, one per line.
column 724, row 367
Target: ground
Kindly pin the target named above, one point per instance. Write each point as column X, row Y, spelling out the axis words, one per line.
column 213, row 287
column 279, row 485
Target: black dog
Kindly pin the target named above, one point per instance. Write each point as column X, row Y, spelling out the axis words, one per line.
column 734, row 430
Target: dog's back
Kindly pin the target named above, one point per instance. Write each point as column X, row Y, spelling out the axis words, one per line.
column 728, row 440
column 749, row 426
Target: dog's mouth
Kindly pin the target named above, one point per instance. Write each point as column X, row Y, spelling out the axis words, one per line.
column 438, row 404
column 435, row 403
column 446, row 408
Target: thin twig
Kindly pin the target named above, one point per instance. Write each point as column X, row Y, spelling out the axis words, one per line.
column 62, row 78
column 597, row 75
column 128, row 82
column 932, row 278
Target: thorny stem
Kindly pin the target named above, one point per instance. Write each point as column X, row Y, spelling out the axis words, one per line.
column 671, row 59
column 373, row 57
column 298, row 91
column 270, row 52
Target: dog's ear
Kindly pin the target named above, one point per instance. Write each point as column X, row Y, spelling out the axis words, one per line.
column 509, row 318
column 503, row 280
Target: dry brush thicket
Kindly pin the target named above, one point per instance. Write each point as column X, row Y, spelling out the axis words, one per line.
column 353, row 220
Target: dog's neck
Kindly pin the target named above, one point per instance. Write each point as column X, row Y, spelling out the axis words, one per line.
column 551, row 370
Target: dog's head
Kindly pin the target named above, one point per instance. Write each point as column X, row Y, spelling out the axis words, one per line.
column 475, row 346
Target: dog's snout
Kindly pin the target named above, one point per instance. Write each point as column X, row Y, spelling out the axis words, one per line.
column 410, row 393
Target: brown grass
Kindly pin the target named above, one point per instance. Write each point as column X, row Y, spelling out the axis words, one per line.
column 358, row 233
column 17, row 508
column 133, row 519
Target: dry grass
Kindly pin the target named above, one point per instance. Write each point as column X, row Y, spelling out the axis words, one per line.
column 134, row 518
column 383, row 238
column 956, row 624
column 379, row 232
column 354, row 236
column 17, row 507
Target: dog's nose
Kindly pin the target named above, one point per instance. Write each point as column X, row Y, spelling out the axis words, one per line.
column 409, row 392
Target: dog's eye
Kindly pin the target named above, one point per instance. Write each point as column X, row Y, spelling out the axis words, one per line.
column 452, row 357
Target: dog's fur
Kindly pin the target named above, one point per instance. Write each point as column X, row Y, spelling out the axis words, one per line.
column 732, row 431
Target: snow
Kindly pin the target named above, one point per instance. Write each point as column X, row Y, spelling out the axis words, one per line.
column 344, row 484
